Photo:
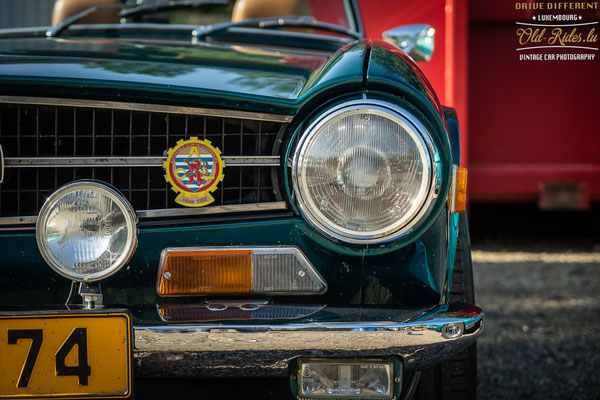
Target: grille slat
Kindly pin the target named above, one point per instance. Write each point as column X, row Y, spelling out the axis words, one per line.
column 31, row 131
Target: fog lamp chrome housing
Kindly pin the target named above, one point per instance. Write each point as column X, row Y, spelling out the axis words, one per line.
column 365, row 172
column 86, row 231
column 322, row 378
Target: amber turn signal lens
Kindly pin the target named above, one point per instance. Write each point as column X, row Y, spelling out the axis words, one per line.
column 457, row 198
column 214, row 271
column 460, row 204
column 206, row 272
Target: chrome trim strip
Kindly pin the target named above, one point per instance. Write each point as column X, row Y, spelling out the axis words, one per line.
column 30, row 219
column 1, row 165
column 257, row 309
column 255, row 161
column 42, row 101
column 173, row 212
column 453, row 190
column 151, row 161
column 266, row 349
column 63, row 162
column 179, row 212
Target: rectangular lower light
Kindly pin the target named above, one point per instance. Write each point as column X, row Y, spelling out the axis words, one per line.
column 236, row 271
column 322, row 378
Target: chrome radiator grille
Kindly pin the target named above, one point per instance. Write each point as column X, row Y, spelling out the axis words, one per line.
column 48, row 143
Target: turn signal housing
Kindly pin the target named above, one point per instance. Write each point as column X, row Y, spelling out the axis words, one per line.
column 236, row 271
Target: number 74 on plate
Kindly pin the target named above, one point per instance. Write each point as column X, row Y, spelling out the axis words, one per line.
column 65, row 355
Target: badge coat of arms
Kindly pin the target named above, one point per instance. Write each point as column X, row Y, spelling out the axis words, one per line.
column 194, row 168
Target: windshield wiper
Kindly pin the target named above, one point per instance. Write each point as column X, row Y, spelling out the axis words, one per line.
column 169, row 6
column 130, row 12
column 65, row 23
column 299, row 21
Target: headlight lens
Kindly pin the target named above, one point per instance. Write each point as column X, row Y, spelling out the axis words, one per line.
column 86, row 231
column 362, row 173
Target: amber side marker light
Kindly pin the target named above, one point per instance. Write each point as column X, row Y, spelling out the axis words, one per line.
column 457, row 198
column 236, row 271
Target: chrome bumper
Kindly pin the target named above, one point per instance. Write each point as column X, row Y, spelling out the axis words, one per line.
column 258, row 348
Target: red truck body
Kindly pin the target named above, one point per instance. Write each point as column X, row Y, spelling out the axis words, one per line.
column 530, row 130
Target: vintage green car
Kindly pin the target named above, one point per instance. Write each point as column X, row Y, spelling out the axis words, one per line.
column 229, row 192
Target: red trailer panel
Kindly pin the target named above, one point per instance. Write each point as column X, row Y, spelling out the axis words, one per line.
column 534, row 124
column 529, row 129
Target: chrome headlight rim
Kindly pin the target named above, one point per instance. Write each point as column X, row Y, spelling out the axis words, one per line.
column 421, row 136
column 115, row 195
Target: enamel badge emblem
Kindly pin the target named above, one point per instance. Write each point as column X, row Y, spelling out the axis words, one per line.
column 194, row 168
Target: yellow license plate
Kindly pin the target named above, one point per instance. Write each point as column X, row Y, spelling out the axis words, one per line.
column 67, row 355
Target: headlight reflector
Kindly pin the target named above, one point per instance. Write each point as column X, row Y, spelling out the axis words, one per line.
column 86, row 231
column 363, row 172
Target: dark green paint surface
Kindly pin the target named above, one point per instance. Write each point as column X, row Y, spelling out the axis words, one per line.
column 411, row 275
column 304, row 83
column 249, row 78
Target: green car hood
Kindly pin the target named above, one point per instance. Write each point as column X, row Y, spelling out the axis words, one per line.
column 272, row 79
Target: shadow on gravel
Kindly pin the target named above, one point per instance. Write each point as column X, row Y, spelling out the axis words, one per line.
column 214, row 389
column 542, row 332
column 522, row 227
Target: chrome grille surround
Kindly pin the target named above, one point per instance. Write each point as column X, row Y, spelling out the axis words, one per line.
column 49, row 142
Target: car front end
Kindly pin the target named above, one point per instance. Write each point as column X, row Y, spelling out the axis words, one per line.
column 173, row 207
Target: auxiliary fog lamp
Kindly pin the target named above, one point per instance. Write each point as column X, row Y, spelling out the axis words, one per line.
column 86, row 231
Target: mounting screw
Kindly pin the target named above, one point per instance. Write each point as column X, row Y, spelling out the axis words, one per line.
column 167, row 275
column 397, row 379
column 452, row 330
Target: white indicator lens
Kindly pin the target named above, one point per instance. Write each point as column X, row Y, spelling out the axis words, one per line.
column 86, row 231
column 284, row 270
column 351, row 379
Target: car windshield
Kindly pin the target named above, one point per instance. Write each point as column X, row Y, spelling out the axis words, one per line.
column 328, row 11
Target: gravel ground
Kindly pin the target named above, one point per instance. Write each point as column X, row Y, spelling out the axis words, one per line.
column 540, row 288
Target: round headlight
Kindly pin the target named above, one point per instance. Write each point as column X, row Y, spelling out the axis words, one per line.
column 363, row 173
column 86, row 231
